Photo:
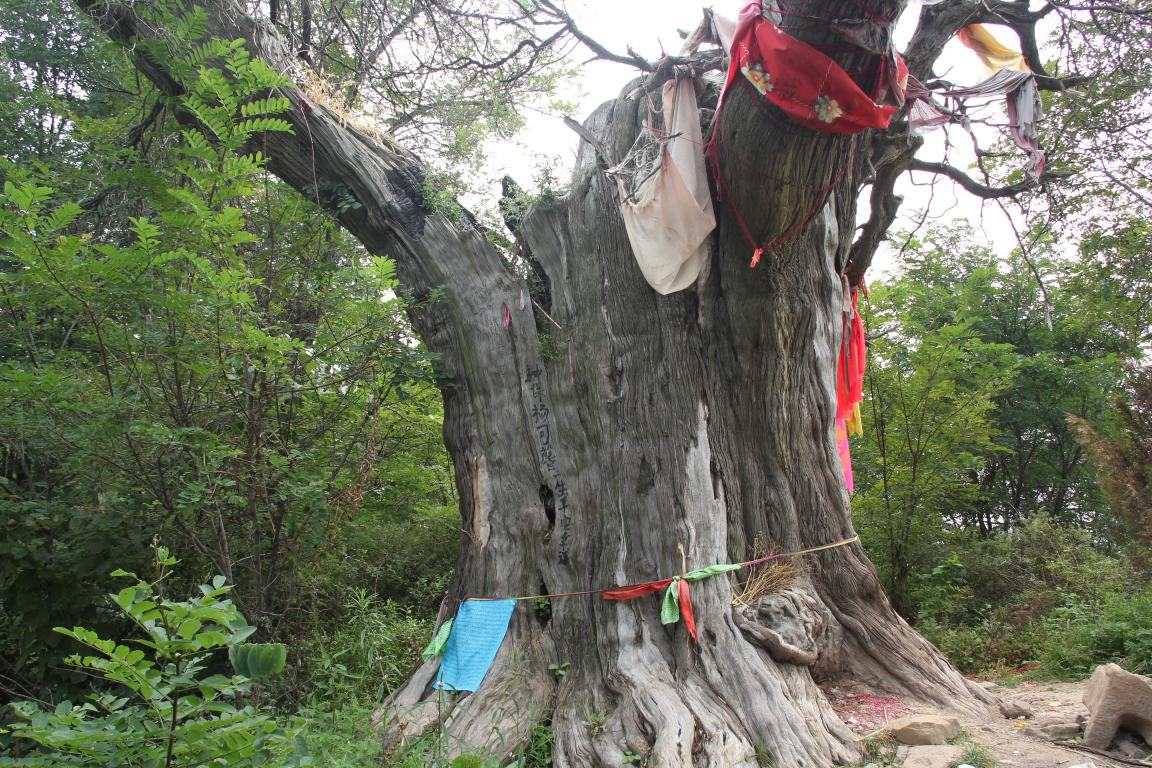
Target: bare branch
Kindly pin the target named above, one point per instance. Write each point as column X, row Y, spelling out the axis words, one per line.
column 984, row 191
column 892, row 155
column 632, row 59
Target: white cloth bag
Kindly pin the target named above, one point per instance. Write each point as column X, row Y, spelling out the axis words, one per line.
column 670, row 216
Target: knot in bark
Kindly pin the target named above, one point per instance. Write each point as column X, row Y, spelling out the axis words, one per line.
column 790, row 624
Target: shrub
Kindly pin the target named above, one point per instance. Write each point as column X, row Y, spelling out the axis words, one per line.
column 163, row 705
column 363, row 654
column 1042, row 598
column 1121, row 632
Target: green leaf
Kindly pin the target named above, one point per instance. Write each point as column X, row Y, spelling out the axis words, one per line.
column 212, row 639
column 190, row 627
column 125, row 597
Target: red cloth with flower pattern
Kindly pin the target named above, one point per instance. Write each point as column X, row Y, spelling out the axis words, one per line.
column 811, row 88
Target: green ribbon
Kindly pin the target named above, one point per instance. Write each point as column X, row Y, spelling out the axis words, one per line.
column 712, row 570
column 670, row 606
column 435, row 646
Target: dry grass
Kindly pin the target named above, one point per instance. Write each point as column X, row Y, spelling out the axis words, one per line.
column 320, row 90
column 767, row 578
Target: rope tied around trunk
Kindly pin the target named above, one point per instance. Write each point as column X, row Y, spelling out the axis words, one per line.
column 677, row 600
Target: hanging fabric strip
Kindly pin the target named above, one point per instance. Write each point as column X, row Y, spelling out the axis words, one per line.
column 1018, row 83
column 686, row 610
column 670, row 604
column 636, row 590
column 845, row 452
column 999, row 83
column 810, row 87
column 436, row 645
column 664, row 197
column 852, row 362
column 850, row 382
column 473, row 643
column 1024, row 112
column 1022, row 101
column 994, row 54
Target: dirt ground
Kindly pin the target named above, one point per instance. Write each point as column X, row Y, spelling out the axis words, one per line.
column 1010, row 742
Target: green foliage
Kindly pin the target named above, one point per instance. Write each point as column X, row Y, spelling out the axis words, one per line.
column 361, row 653
column 257, row 661
column 212, row 360
column 1042, row 599
column 929, row 416
column 966, row 430
column 342, row 734
column 163, row 704
column 976, row 756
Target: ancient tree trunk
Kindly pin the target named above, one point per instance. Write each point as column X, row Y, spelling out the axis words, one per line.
column 701, row 421
column 685, row 428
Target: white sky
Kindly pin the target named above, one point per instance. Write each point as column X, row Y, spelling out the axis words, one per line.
column 650, row 26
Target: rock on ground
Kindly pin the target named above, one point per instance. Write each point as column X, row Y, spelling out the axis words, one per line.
column 924, row 729
column 1012, row 709
column 933, row 756
column 1117, row 699
column 1054, row 731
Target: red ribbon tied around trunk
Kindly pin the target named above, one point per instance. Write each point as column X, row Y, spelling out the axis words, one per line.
column 810, row 87
column 686, row 610
column 636, row 590
column 677, row 604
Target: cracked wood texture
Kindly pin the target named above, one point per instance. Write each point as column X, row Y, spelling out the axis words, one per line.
column 688, row 426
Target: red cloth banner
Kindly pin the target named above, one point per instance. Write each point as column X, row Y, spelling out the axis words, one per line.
column 810, row 87
column 850, row 370
column 636, row 590
column 686, row 614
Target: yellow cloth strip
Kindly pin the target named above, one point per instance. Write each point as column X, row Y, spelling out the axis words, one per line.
column 994, row 54
column 855, row 425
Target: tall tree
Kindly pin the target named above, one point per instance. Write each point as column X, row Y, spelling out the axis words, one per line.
column 628, row 435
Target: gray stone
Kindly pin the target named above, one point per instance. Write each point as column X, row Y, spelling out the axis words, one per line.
column 1014, row 708
column 1117, row 699
column 1054, row 731
column 924, row 729
column 933, row 756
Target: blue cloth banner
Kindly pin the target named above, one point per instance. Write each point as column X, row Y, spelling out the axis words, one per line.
column 476, row 636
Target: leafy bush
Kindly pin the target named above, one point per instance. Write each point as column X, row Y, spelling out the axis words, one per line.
column 165, row 703
column 1121, row 632
column 342, row 735
column 1043, row 599
column 363, row 654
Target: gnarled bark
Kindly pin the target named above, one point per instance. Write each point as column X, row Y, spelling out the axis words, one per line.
column 686, row 427
column 699, row 420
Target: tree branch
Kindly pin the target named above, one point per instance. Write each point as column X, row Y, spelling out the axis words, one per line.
column 983, row 190
column 632, row 59
column 891, row 155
